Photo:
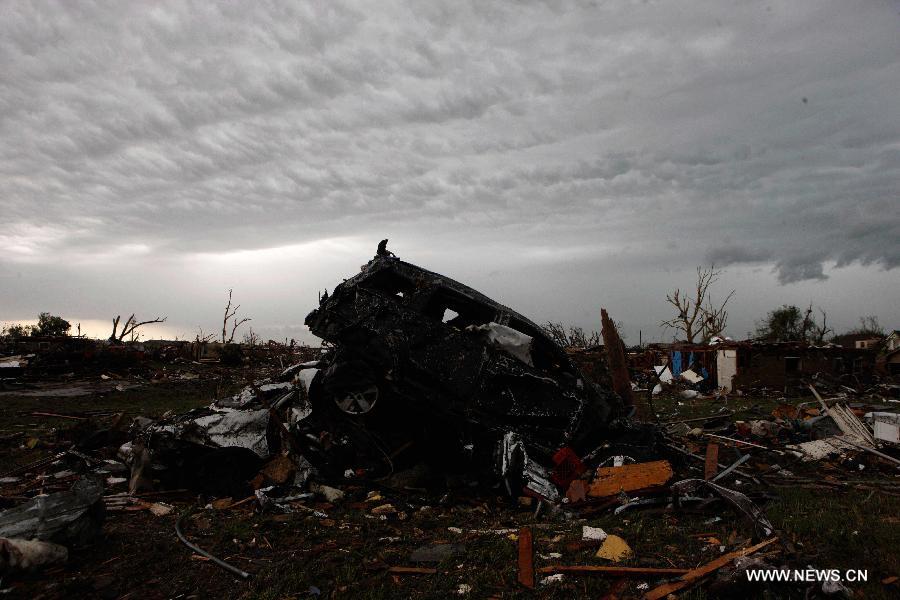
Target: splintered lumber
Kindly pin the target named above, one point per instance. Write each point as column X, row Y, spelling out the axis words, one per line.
column 613, row 571
column 629, row 478
column 712, row 461
column 615, row 356
column 847, row 422
column 526, row 557
column 695, row 575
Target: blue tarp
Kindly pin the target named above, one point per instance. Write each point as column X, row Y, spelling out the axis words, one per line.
column 676, row 364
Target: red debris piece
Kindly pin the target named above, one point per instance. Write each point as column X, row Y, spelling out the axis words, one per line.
column 568, row 467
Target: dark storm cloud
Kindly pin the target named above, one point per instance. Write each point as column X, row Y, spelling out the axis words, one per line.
column 754, row 134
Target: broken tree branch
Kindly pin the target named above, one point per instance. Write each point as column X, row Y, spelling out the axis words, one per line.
column 131, row 325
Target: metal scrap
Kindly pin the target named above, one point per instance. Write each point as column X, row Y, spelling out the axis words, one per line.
column 735, row 498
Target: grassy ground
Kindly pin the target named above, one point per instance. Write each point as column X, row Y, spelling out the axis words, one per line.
column 347, row 554
column 19, row 426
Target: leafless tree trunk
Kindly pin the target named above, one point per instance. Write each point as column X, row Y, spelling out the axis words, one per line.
column 131, row 324
column 698, row 316
column 812, row 332
column 230, row 314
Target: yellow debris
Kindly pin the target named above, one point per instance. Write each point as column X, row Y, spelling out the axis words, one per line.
column 614, row 548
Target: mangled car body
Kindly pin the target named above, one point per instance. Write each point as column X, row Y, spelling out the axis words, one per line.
column 420, row 356
column 419, row 369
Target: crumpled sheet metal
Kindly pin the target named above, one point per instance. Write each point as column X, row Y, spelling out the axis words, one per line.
column 516, row 465
column 514, row 342
column 244, row 428
column 264, row 391
column 241, row 420
column 735, row 498
column 74, row 516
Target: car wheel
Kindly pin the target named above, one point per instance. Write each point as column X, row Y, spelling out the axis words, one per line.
column 358, row 402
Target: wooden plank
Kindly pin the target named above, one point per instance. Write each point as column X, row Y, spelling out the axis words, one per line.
column 412, row 570
column 628, row 478
column 58, row 416
column 526, row 557
column 712, row 461
column 695, row 575
column 613, row 571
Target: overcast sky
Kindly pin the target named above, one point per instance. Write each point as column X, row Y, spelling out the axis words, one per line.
column 558, row 156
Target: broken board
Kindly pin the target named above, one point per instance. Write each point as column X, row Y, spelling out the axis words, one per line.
column 628, row 478
column 526, row 557
column 712, row 461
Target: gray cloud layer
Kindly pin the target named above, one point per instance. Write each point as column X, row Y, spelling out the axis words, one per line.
column 590, row 133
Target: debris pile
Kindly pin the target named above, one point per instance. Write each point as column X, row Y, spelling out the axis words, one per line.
column 433, row 402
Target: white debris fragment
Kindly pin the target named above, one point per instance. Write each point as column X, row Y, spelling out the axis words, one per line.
column 514, row 342
column 161, row 509
column 558, row 578
column 326, row 491
column 819, row 449
column 691, row 376
column 589, row 533
column 665, row 375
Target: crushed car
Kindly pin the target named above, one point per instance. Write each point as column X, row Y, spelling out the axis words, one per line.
column 418, row 357
column 417, row 369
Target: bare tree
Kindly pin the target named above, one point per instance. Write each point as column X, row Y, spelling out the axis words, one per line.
column 810, row 331
column 571, row 336
column 869, row 325
column 697, row 316
column 235, row 322
column 250, row 338
column 131, row 324
column 202, row 338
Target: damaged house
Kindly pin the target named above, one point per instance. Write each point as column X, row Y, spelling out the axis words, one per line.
column 732, row 365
